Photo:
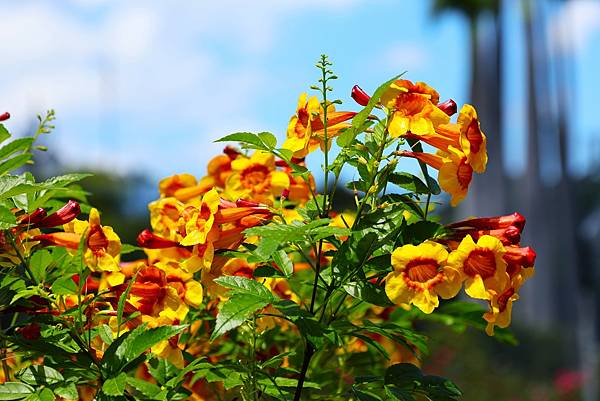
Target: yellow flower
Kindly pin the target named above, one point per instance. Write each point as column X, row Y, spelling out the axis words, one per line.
column 200, row 220
column 421, row 274
column 256, row 178
column 455, row 173
column 472, row 139
column 164, row 217
column 482, row 265
column 102, row 244
column 299, row 129
column 414, row 108
column 306, row 130
column 500, row 303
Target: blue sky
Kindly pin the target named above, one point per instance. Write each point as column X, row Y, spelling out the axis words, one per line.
column 146, row 85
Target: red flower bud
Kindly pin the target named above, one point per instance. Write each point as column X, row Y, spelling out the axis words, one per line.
column 491, row 223
column 62, row 216
column 4, row 116
column 246, row 203
column 449, row 107
column 33, row 218
column 522, row 256
column 285, row 194
column 231, row 152
column 146, row 239
column 360, row 96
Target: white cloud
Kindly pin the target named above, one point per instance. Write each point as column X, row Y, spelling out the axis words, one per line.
column 574, row 25
column 146, row 63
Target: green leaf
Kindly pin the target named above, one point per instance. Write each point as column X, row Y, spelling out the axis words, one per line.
column 235, row 311
column 115, row 385
column 266, row 270
column 121, row 303
column 106, row 334
column 40, row 375
column 283, row 261
column 4, row 134
column 143, row 340
column 68, row 391
column 363, row 395
column 14, row 163
column 403, row 375
column 243, row 285
column 369, row 293
column 421, row 231
column 146, row 388
column 131, row 345
column 46, row 395
column 128, row 248
column 39, row 262
column 15, row 391
column 246, row 138
column 17, row 145
column 7, row 218
column 268, row 139
column 409, row 182
column 64, row 286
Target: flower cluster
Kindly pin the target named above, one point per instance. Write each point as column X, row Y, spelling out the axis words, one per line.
column 484, row 254
column 252, row 245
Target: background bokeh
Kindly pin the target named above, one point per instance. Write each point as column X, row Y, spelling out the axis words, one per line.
column 142, row 88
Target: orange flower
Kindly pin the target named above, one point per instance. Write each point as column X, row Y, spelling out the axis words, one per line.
column 455, row 173
column 421, row 274
column 414, row 108
column 306, row 130
column 482, row 264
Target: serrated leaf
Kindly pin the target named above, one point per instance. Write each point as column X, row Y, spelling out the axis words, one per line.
column 67, row 391
column 115, row 386
column 283, row 261
column 40, row 375
column 64, row 286
column 409, row 182
column 246, row 138
column 403, row 375
column 7, row 218
column 235, row 311
column 15, row 146
column 131, row 345
column 145, row 388
column 39, row 262
column 243, row 285
column 368, row 292
column 268, row 139
column 14, row 163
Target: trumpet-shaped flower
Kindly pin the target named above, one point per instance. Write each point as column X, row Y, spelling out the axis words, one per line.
column 472, row 139
column 455, row 173
column 482, row 264
column 414, row 108
column 256, row 178
column 421, row 275
column 102, row 245
column 306, row 129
